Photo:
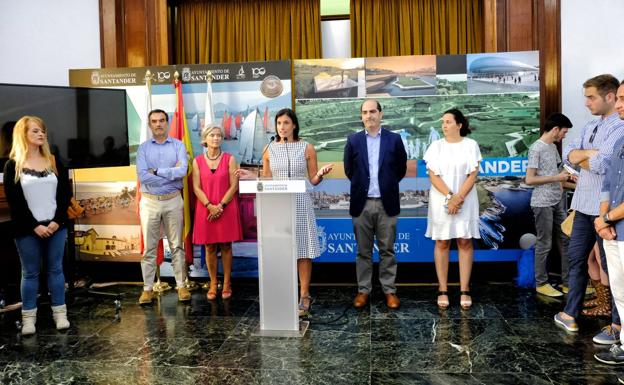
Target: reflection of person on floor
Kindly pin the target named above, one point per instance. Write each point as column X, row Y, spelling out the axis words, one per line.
column 161, row 165
column 375, row 162
column 591, row 151
column 544, row 171
column 610, row 227
column 453, row 165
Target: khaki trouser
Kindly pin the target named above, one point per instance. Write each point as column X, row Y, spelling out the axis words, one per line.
column 170, row 214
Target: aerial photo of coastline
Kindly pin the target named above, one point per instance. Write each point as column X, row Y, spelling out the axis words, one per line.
column 401, row 76
column 504, row 125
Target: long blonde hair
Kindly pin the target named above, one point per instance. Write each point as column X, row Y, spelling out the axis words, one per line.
column 19, row 150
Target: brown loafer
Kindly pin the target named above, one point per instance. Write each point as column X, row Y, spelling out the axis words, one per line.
column 392, row 301
column 146, row 297
column 360, row 300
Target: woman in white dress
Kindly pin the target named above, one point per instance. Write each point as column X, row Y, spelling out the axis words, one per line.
column 452, row 165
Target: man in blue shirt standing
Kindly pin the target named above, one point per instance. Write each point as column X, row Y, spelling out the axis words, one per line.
column 610, row 227
column 591, row 151
column 162, row 163
column 375, row 161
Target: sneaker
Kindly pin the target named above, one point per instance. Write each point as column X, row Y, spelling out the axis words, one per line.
column 614, row 356
column 146, row 297
column 565, row 289
column 608, row 336
column 569, row 325
column 183, row 294
column 547, row 290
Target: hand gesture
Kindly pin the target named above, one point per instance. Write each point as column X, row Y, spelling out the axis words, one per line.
column 607, row 233
column 563, row 176
column 42, row 231
column 53, row 226
column 214, row 212
column 242, row 173
column 325, row 170
column 600, row 224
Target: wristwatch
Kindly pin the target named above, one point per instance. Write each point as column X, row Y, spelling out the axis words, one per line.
column 606, row 219
column 223, row 204
column 449, row 195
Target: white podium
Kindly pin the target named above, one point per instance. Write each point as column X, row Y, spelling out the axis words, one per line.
column 277, row 255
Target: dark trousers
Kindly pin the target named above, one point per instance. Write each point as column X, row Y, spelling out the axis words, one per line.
column 581, row 243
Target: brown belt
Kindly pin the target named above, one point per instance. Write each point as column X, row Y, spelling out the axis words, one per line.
column 163, row 197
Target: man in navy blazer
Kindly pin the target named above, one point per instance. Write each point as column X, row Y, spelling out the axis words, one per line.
column 375, row 162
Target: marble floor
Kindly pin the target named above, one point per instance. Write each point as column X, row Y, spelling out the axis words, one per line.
column 508, row 337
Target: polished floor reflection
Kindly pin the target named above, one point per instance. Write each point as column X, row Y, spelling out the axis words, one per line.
column 508, row 337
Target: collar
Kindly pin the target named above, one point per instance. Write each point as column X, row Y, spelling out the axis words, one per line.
column 374, row 137
column 168, row 140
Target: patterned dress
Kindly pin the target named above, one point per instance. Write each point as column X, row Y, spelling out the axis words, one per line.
column 306, row 234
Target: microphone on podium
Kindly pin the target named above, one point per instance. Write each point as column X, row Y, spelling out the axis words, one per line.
column 262, row 156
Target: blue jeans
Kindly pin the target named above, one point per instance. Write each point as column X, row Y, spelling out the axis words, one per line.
column 581, row 243
column 32, row 250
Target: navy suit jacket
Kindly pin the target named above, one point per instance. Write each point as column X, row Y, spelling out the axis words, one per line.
column 392, row 168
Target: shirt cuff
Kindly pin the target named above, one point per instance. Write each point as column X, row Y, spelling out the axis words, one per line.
column 604, row 196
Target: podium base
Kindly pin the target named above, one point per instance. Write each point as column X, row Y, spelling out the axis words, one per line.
column 303, row 327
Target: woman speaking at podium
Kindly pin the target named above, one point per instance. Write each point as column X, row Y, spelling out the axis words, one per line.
column 37, row 191
column 289, row 157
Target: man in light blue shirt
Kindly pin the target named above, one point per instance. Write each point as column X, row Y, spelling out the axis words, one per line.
column 610, row 227
column 162, row 163
column 591, row 151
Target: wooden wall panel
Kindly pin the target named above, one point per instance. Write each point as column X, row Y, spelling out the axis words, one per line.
column 549, row 37
column 520, row 23
column 134, row 33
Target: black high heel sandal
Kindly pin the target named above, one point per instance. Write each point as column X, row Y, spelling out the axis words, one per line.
column 443, row 305
column 466, row 304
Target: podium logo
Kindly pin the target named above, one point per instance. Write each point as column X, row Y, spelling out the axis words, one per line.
column 260, row 187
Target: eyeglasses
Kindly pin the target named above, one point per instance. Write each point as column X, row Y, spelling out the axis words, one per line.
column 593, row 135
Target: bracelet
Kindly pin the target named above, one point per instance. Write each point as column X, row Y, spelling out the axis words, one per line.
column 223, row 204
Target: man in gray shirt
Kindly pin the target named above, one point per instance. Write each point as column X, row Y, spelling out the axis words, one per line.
column 543, row 172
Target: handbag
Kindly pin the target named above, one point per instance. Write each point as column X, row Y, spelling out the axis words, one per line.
column 566, row 225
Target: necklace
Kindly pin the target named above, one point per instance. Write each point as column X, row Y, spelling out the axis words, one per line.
column 216, row 157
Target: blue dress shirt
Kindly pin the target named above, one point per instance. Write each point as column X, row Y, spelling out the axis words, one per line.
column 373, row 143
column 599, row 134
column 171, row 160
column 613, row 184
